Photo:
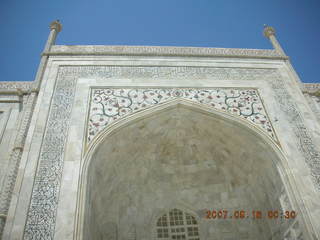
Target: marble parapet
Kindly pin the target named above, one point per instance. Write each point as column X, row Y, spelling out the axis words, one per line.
column 12, row 86
column 163, row 51
column 311, row 87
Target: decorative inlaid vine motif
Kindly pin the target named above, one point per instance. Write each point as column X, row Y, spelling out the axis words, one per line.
column 110, row 104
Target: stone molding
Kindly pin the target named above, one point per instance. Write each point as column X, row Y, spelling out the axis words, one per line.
column 25, row 86
column 312, row 89
column 42, row 211
column 163, row 51
column 311, row 86
column 165, row 72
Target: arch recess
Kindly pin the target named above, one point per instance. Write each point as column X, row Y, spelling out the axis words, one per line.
column 270, row 163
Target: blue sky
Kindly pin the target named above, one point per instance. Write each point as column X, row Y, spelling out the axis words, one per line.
column 201, row 23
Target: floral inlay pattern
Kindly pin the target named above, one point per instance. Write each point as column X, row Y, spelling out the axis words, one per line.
column 110, row 104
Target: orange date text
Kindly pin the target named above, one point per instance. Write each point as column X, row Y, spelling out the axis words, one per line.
column 254, row 214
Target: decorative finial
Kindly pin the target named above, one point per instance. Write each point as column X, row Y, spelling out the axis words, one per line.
column 56, row 25
column 268, row 31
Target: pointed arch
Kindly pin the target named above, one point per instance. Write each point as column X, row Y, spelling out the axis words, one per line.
column 279, row 162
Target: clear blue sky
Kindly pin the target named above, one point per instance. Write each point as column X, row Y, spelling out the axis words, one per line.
column 202, row 23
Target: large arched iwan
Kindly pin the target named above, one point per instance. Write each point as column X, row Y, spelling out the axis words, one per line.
column 184, row 153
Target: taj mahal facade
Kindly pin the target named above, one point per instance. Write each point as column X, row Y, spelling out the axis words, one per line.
column 159, row 143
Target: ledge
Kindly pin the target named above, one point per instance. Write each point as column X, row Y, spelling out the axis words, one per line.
column 6, row 87
column 58, row 50
column 311, row 87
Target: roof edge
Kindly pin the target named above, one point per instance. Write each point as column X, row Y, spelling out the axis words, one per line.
column 13, row 85
column 58, row 50
column 311, row 87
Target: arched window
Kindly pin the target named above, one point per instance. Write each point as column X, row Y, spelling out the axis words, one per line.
column 177, row 224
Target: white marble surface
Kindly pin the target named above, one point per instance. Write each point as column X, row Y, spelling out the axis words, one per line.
column 298, row 182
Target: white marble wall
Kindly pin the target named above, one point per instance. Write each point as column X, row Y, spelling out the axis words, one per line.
column 74, row 86
column 12, row 108
column 9, row 120
column 314, row 103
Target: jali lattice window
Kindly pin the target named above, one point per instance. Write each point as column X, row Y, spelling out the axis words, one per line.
column 177, row 224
